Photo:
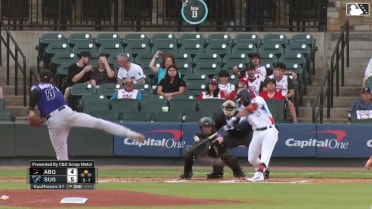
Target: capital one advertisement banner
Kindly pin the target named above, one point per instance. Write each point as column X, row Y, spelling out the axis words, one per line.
column 324, row 140
column 295, row 140
column 162, row 140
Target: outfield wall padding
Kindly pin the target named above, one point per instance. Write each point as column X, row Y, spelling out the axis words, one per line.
column 18, row 139
column 7, row 148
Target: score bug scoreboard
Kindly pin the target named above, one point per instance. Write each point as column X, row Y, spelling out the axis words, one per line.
column 62, row 175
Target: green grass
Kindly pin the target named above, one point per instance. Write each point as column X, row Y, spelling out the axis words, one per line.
column 251, row 195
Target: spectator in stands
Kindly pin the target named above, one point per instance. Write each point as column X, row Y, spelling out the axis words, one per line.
column 212, row 91
column 224, row 84
column 260, row 71
column 242, row 84
column 367, row 73
column 255, row 82
column 103, row 72
column 128, row 91
column 172, row 84
column 129, row 69
column 284, row 83
column 79, row 72
column 1, row 93
column 167, row 60
column 361, row 108
column 270, row 92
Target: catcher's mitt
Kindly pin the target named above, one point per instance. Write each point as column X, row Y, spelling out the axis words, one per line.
column 35, row 121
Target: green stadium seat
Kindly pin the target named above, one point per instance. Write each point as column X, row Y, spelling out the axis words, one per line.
column 218, row 47
column 247, row 38
column 277, row 38
column 138, row 117
column 167, row 117
column 107, row 37
column 125, row 105
column 271, row 47
column 210, row 106
column 192, row 47
column 219, row 37
column 164, row 46
column 153, row 103
column 163, row 37
column 137, row 47
column 111, row 47
column 191, row 37
column 80, row 37
column 276, row 108
column 92, row 103
column 107, row 115
column 235, row 57
column 81, row 89
column 108, row 89
column 182, row 105
column 135, row 37
column 247, row 48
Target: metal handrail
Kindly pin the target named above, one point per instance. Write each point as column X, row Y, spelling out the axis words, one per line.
column 10, row 43
column 333, row 76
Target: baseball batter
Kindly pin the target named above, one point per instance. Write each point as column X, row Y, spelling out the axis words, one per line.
column 61, row 118
column 265, row 135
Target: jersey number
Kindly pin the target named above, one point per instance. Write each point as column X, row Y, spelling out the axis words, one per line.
column 50, row 95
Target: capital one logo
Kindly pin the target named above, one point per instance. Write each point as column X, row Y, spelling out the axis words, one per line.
column 163, row 139
column 332, row 143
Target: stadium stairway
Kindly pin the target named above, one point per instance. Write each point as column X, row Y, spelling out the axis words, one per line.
column 360, row 53
column 13, row 103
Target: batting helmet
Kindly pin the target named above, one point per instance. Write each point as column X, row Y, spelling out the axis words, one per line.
column 229, row 108
column 206, row 121
column 244, row 96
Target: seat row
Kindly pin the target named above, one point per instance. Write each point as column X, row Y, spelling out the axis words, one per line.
column 179, row 108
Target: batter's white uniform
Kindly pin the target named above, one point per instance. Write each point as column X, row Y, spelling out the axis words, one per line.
column 265, row 134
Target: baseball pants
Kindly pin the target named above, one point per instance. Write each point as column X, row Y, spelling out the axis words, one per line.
column 61, row 122
column 263, row 143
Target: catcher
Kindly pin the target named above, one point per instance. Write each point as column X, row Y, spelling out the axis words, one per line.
column 216, row 143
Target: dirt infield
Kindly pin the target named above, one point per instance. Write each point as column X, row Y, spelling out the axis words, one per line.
column 98, row 198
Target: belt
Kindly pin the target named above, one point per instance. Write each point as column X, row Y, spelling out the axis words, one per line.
column 55, row 111
column 263, row 128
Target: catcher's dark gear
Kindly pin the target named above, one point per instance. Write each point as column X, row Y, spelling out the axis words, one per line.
column 206, row 121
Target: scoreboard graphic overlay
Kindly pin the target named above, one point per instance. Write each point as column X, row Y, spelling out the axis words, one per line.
column 62, row 175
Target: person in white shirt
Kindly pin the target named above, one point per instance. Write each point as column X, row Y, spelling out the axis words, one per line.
column 367, row 73
column 224, row 84
column 128, row 92
column 255, row 82
column 129, row 69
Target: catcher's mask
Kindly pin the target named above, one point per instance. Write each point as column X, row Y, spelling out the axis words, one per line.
column 244, row 97
column 206, row 122
column 229, row 108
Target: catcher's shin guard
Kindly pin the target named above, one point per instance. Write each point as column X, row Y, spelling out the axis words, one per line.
column 233, row 163
column 217, row 172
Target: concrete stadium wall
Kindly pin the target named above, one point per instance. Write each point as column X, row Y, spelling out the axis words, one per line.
column 28, row 40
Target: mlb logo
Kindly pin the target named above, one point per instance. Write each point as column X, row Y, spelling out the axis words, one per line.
column 357, row 9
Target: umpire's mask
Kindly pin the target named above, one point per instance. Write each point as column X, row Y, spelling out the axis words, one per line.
column 229, row 108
